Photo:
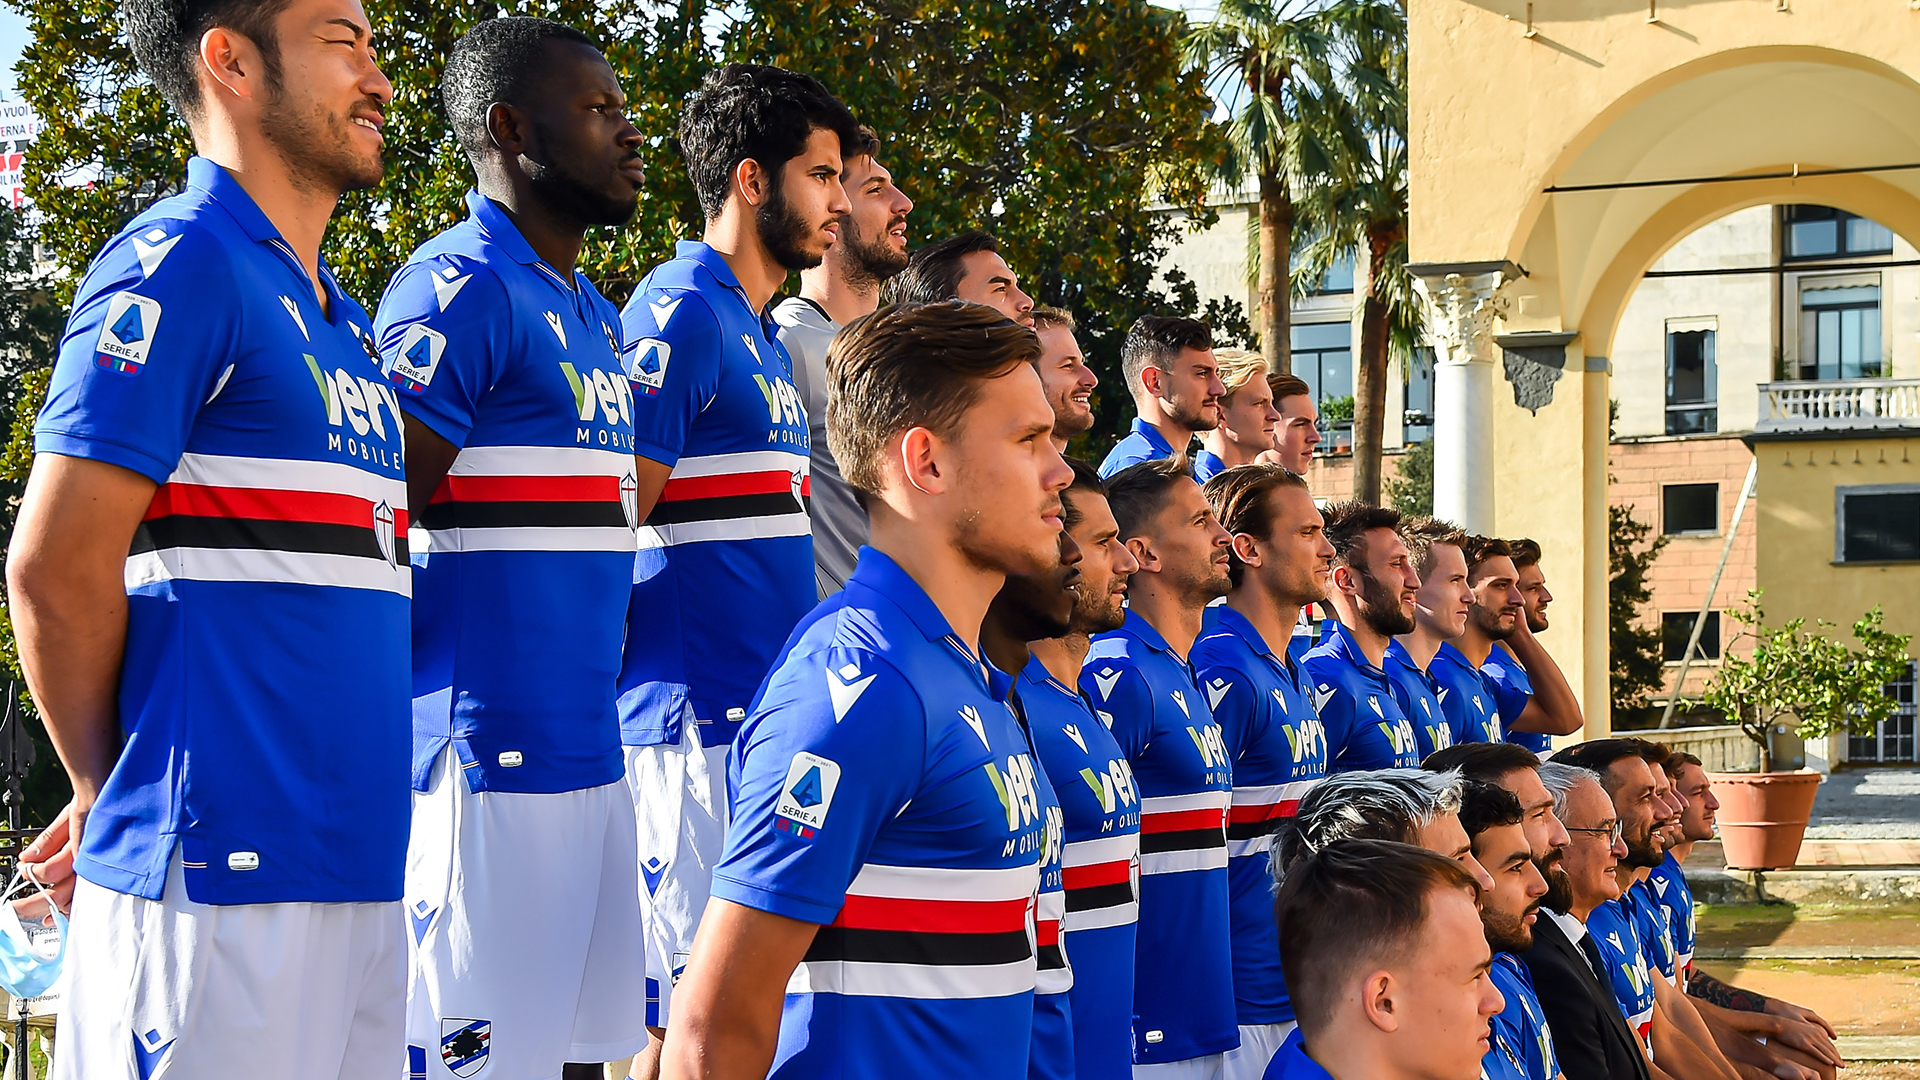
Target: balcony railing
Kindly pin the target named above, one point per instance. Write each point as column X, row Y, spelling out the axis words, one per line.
column 1839, row 403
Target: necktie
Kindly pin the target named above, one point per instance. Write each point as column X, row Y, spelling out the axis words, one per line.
column 1592, row 953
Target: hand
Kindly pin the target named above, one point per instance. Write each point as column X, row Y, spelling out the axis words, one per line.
column 1808, row 1039
column 49, row 859
column 1788, row 1009
column 1787, row 1070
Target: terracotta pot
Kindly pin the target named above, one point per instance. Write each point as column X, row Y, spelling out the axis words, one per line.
column 1763, row 816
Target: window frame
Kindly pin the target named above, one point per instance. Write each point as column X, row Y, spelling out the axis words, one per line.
column 1717, row 507
column 1713, row 625
column 1840, row 219
column 1841, row 494
column 1710, row 377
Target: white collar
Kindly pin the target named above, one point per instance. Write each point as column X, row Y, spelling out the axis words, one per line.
column 1570, row 926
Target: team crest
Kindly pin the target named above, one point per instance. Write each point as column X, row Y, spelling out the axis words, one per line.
column 126, row 334
column 383, row 532
column 464, row 1045
column 419, row 358
column 630, row 500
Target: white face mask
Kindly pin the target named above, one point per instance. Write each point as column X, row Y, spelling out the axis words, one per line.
column 29, row 961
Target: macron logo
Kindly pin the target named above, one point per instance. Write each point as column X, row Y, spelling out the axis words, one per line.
column 845, row 686
column 559, row 331
column 151, row 249
column 972, row 716
column 1180, row 699
column 293, row 309
column 447, row 284
column 1080, row 741
column 1216, row 690
column 663, row 310
column 1105, row 681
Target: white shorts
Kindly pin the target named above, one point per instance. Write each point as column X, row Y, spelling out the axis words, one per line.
column 1258, row 1045
column 680, row 802
column 169, row 989
column 525, row 934
column 1204, row 1067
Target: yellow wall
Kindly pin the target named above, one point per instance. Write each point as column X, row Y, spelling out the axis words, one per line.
column 1602, row 95
column 1795, row 500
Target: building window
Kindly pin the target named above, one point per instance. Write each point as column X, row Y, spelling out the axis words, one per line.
column 1892, row 739
column 1417, row 423
column 1840, row 332
column 1821, row 232
column 1689, row 509
column 1677, row 626
column 1323, row 356
column 1692, row 383
column 1877, row 523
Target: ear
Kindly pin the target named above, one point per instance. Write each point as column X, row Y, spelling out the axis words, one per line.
column 504, row 129
column 1143, row 553
column 754, row 183
column 1151, row 379
column 1246, row 549
column 1345, row 580
column 1376, row 997
column 233, row 63
column 920, row 453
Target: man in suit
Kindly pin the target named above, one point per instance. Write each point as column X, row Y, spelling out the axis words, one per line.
column 1590, row 1034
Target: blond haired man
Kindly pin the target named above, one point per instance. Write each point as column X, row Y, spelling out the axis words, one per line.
column 1247, row 416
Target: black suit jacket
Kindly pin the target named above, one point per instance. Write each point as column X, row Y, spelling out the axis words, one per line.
column 1590, row 1035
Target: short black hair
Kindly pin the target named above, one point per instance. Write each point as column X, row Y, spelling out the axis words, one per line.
column 1348, row 524
column 1525, row 552
column 1156, row 340
column 490, row 64
column 1483, row 761
column 755, row 112
column 165, row 35
column 1486, row 806
column 1354, row 903
column 1086, row 481
column 1598, row 756
column 933, row 272
column 1139, row 491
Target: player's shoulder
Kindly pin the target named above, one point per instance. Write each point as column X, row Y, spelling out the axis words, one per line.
column 174, row 244
column 1221, row 648
column 669, row 309
column 442, row 281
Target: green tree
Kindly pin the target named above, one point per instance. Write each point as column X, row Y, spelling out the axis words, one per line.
column 1635, row 663
column 1270, row 59
column 1411, row 492
column 1793, row 673
column 1360, row 204
column 1054, row 124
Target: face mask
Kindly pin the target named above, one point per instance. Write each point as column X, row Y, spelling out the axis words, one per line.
column 29, row 964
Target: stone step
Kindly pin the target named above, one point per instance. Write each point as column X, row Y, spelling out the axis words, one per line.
column 1831, row 885
column 1879, row 1047
column 1809, row 952
column 1826, row 854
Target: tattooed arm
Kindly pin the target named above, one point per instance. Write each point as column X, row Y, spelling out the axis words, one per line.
column 1714, row 992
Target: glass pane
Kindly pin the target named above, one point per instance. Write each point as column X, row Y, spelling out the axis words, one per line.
column 1881, row 528
column 1336, row 374
column 1806, row 238
column 1307, row 366
column 1870, row 354
column 1339, row 276
column 1866, row 237
column 1331, row 335
column 1827, row 352
column 1690, row 508
column 1677, row 626
column 1688, row 420
column 1850, row 343
column 1689, row 367
column 1847, row 295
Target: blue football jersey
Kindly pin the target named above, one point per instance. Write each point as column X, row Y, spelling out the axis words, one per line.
column 524, row 558
column 1656, row 936
column 1279, row 751
column 1616, row 933
column 1668, row 883
column 1051, row 1056
column 1522, row 1043
column 1143, row 443
column 1183, row 982
column 1366, row 727
column 263, row 691
column 1418, row 693
column 725, row 569
column 1470, row 704
column 1511, row 692
column 1100, row 808
column 924, row 881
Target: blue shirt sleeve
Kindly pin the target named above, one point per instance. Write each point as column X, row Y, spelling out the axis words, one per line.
column 1126, row 698
column 443, row 355
column 673, row 349
column 155, row 328
column 811, row 790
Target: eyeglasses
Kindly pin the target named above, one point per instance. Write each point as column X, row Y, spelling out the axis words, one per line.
column 1613, row 832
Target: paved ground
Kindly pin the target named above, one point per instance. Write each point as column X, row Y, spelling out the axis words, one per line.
column 1825, row 854
column 1868, row 804
column 1858, row 967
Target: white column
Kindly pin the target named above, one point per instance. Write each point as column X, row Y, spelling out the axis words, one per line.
column 1461, row 308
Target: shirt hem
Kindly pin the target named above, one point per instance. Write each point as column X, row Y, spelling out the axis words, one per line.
column 764, row 899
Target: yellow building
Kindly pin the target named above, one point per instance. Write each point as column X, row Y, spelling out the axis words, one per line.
column 1558, row 149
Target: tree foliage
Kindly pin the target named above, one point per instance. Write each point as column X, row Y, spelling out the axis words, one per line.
column 1820, row 684
column 1411, row 489
column 1634, row 660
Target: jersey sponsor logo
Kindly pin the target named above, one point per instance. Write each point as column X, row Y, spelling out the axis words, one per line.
column 1113, row 787
column 845, row 687
column 783, row 402
column 151, row 248
column 1019, row 797
column 447, row 283
column 1400, row 737
column 599, row 396
column 1104, row 680
column 972, row 717
column 1207, row 740
column 464, row 1044
column 1440, row 736
column 1216, row 690
column 649, row 367
column 356, row 403
column 807, row 794
column 419, row 357
column 1306, row 739
column 126, row 334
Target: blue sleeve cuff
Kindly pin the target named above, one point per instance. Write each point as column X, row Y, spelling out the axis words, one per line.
column 67, row 444
column 760, row 898
column 653, row 451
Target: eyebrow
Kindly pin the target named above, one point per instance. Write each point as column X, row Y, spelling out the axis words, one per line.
column 358, row 31
column 1001, row 279
column 1519, row 857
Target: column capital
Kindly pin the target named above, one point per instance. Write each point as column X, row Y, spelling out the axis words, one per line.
column 1463, row 299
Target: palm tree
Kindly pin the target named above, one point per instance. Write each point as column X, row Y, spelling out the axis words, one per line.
column 1266, row 57
column 1360, row 204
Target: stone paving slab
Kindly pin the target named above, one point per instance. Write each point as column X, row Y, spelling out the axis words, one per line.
column 1825, row 854
column 1880, row 1047
column 1810, row 952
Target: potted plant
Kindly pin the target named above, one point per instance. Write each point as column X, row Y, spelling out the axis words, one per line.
column 1796, row 676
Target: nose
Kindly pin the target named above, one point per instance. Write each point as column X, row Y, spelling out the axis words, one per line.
column 1480, row 874
column 1070, row 551
column 1088, row 379
column 905, row 205
column 1128, row 563
column 1021, row 301
column 376, row 85
column 840, row 203
column 1619, row 848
